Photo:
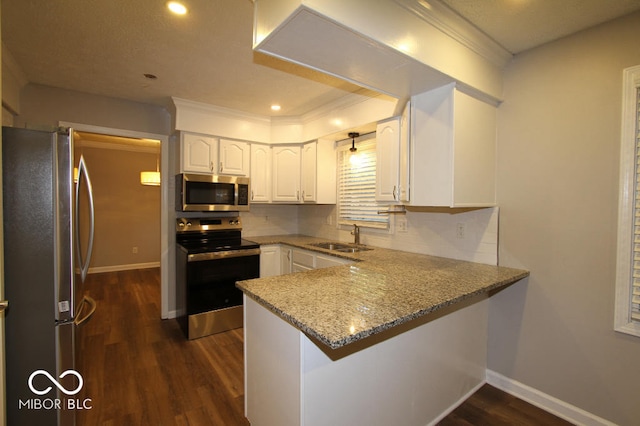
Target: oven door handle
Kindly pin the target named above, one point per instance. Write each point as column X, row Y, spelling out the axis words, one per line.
column 216, row 255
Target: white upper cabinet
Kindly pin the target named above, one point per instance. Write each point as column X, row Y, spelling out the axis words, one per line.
column 260, row 173
column 452, row 150
column 309, row 171
column 234, row 158
column 325, row 177
column 286, row 174
column 404, row 175
column 305, row 173
column 206, row 154
column 388, row 160
column 199, row 153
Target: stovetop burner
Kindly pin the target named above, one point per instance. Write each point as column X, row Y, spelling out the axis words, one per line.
column 201, row 235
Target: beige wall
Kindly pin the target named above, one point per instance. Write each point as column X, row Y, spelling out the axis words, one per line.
column 127, row 214
column 558, row 138
column 44, row 105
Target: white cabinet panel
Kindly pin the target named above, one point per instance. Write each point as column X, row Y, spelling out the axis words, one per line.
column 387, row 160
column 453, row 150
column 199, row 153
column 269, row 260
column 234, row 158
column 285, row 260
column 260, row 173
column 309, row 171
column 286, row 174
column 323, row 261
column 304, row 259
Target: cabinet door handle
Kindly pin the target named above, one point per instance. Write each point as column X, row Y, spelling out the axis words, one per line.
column 298, row 195
column 394, row 192
column 221, row 167
column 211, row 166
column 252, row 195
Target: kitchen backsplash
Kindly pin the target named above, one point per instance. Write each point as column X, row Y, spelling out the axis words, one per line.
column 469, row 235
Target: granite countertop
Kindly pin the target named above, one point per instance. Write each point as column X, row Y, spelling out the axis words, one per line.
column 381, row 289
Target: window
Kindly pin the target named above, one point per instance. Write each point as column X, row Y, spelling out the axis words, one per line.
column 627, row 309
column 357, row 186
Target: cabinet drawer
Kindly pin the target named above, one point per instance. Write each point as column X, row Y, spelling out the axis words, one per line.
column 303, row 258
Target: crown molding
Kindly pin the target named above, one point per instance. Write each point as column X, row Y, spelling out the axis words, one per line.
column 219, row 111
column 440, row 16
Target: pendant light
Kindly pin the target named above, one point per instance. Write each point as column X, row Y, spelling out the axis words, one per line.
column 151, row 178
column 353, row 136
column 354, row 159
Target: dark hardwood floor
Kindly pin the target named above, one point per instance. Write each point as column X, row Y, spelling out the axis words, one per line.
column 140, row 370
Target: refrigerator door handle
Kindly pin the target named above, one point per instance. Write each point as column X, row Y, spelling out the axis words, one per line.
column 84, row 173
column 81, row 316
column 4, row 304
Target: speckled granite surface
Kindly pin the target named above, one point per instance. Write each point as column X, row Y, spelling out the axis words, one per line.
column 381, row 289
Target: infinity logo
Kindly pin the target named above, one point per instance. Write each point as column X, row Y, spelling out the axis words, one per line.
column 55, row 382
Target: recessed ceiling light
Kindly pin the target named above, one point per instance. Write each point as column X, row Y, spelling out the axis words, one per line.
column 275, row 107
column 177, row 8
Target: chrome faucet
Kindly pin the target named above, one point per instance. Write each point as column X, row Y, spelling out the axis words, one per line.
column 356, row 234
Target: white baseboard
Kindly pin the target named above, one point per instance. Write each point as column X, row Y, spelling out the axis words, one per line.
column 115, row 268
column 548, row 403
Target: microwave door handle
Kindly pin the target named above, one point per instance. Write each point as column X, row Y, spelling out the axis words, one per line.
column 84, row 173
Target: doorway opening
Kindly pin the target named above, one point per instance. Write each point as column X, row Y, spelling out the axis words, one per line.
column 134, row 224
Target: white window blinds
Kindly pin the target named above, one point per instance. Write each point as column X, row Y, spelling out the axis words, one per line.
column 357, row 187
column 635, row 288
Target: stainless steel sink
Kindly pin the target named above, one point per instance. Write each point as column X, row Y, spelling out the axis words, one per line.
column 343, row 248
column 352, row 249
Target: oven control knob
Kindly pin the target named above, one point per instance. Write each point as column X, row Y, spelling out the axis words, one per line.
column 181, row 224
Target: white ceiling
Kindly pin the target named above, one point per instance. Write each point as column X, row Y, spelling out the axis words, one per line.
column 519, row 25
column 106, row 47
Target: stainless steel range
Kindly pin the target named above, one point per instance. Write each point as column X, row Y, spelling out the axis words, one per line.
column 210, row 257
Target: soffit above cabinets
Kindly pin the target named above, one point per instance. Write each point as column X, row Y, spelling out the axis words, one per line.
column 400, row 48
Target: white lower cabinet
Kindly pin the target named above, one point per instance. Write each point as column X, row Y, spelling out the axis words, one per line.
column 302, row 260
column 270, row 261
column 323, row 261
column 276, row 259
column 285, row 260
column 438, row 362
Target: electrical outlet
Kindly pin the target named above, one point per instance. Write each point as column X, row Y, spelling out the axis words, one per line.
column 135, row 250
column 401, row 224
column 460, row 229
column 329, row 219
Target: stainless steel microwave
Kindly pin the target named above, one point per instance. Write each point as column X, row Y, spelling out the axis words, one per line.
column 207, row 193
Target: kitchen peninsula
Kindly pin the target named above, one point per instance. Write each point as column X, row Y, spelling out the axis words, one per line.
column 391, row 338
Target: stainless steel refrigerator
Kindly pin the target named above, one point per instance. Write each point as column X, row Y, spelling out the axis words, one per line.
column 46, row 259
